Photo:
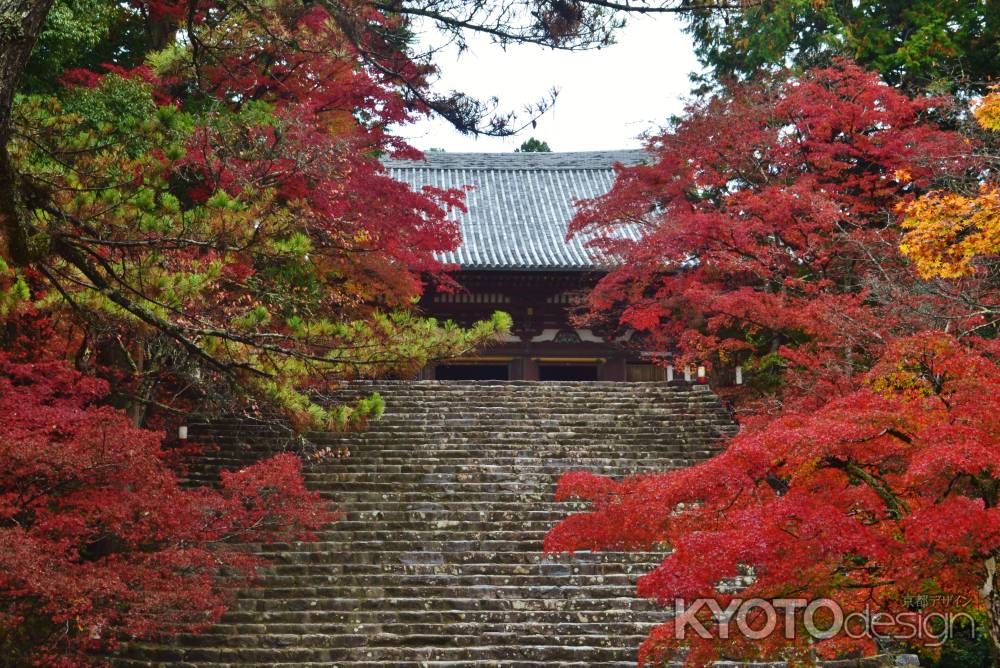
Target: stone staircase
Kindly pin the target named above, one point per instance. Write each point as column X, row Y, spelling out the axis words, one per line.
column 438, row 560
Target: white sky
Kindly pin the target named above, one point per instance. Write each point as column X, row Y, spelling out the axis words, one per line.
column 606, row 98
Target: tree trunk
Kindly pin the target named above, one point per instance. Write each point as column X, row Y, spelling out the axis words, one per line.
column 20, row 23
column 13, row 214
column 160, row 32
column 991, row 596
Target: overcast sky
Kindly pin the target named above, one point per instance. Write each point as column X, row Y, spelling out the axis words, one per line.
column 606, row 98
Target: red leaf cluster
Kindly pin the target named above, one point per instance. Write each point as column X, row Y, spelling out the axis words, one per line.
column 887, row 493
column 769, row 235
column 767, row 225
column 98, row 541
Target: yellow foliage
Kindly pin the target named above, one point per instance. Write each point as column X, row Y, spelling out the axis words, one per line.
column 947, row 231
column 987, row 112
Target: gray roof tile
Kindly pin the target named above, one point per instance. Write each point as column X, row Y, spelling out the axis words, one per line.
column 520, row 205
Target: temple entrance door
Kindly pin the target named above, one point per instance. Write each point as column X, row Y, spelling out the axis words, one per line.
column 567, row 372
column 472, row 372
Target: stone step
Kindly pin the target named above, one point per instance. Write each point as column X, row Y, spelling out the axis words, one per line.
column 464, row 545
column 553, row 588
column 385, row 552
column 441, row 494
column 469, row 479
column 538, row 448
column 370, row 462
column 410, row 557
column 438, row 495
column 445, row 503
column 515, row 426
column 546, row 474
column 140, row 663
column 452, row 506
column 615, row 600
column 532, row 405
column 535, row 649
column 415, row 617
column 435, row 533
column 431, row 636
column 438, row 522
column 465, row 569
column 353, row 517
column 318, row 585
column 614, row 466
column 222, row 633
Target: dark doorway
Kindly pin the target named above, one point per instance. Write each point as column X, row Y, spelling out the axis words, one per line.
column 472, row 372
column 567, row 372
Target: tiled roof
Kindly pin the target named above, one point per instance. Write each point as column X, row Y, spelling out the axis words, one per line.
column 520, row 204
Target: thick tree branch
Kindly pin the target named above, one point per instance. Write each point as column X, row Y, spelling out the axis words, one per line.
column 896, row 506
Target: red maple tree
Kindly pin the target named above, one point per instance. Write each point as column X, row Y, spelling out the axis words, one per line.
column 768, row 228
column 98, row 541
column 866, row 467
column 882, row 496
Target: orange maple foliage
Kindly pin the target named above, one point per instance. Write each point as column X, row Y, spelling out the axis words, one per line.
column 947, row 231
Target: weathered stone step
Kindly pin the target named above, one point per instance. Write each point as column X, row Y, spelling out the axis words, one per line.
column 538, row 450
column 531, row 410
column 434, row 533
column 365, row 509
column 612, row 464
column 411, row 478
column 528, row 473
column 435, row 636
column 485, row 491
column 480, row 652
column 672, row 422
column 439, row 494
column 441, row 521
column 520, row 663
column 361, row 486
column 369, row 462
column 451, row 505
column 427, row 528
column 383, row 556
column 474, row 436
column 532, row 404
column 468, row 545
column 591, row 421
column 359, row 601
column 493, row 569
column 608, row 425
column 139, row 663
column 446, row 501
column 413, row 617
column 599, row 589
column 223, row 634
column 318, row 585
column 473, row 448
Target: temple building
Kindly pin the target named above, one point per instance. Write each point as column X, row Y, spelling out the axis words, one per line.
column 514, row 257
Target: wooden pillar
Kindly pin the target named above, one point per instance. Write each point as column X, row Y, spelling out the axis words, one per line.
column 530, row 369
column 612, row 369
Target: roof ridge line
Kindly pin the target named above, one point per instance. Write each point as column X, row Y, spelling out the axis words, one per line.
column 406, row 164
